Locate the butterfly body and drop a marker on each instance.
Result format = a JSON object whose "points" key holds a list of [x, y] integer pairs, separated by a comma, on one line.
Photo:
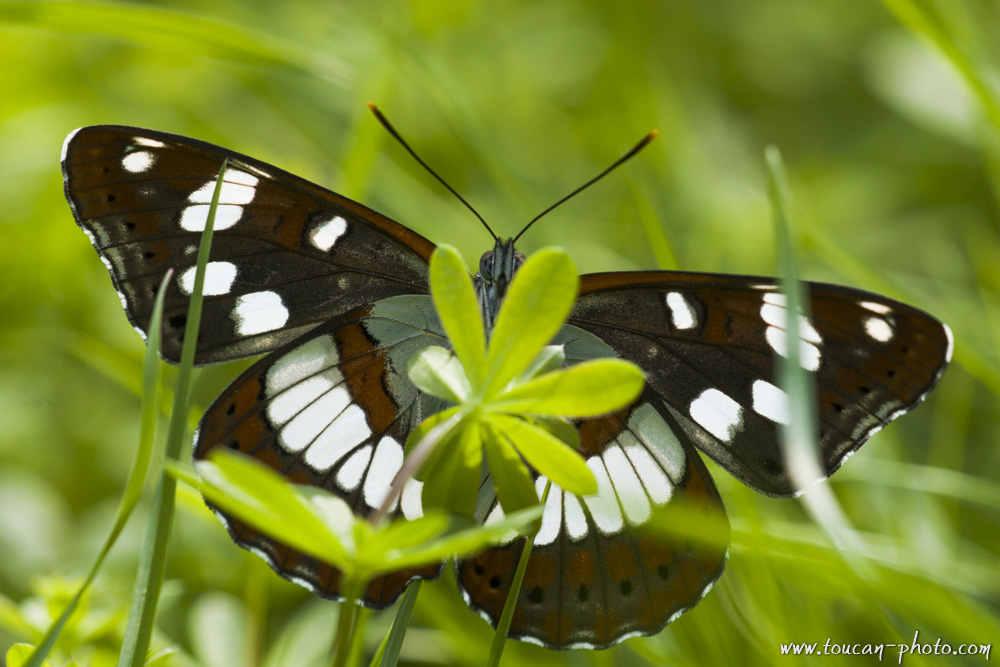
{"points": [[338, 295]]}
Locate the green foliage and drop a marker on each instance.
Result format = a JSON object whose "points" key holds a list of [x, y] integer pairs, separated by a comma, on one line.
{"points": [[322, 525], [500, 388]]}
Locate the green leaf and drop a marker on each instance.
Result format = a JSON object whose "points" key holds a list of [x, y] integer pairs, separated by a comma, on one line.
{"points": [[258, 496], [19, 654], [457, 306], [511, 479], [402, 534], [548, 455], [551, 358], [467, 541], [537, 303], [425, 427], [439, 372], [588, 389], [452, 472], [559, 427]]}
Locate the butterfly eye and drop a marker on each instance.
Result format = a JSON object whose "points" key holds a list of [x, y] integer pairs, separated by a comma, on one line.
{"points": [[486, 264], [518, 260]]}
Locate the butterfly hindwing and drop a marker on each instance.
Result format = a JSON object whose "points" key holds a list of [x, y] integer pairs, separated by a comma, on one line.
{"points": [[333, 410], [709, 342], [598, 572], [286, 254]]}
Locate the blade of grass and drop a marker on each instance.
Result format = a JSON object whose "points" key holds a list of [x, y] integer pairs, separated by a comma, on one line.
{"points": [[389, 652], [152, 558], [136, 478], [798, 437], [503, 625]]}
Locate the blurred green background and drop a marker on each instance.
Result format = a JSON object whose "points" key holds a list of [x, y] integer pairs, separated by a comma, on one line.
{"points": [[886, 114]]}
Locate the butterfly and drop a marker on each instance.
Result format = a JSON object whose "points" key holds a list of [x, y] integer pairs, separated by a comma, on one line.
{"points": [[336, 295]]}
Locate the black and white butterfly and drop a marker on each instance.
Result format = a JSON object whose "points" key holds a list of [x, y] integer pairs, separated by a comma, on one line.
{"points": [[338, 295]]}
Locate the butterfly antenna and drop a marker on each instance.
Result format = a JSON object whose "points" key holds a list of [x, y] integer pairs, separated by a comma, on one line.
{"points": [[624, 158], [391, 130]]}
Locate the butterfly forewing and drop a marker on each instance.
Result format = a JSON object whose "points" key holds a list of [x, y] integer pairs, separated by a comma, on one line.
{"points": [[333, 410], [287, 254], [598, 573], [709, 344]]}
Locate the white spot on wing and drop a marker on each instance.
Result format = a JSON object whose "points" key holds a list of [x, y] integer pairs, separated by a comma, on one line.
{"points": [[294, 400], [310, 412], [659, 439], [326, 233], [777, 299], [770, 402], [633, 499], [576, 521], [658, 486], [809, 354], [717, 413], [219, 277], [878, 329], [681, 312], [349, 475], [603, 505], [301, 362], [194, 218], [951, 345], [551, 515], [238, 187], [259, 312], [343, 434], [138, 162], [385, 464], [412, 506], [876, 307], [777, 316], [148, 143]]}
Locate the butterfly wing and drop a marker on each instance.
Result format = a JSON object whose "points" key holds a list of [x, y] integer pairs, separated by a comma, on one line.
{"points": [[708, 343], [286, 255], [333, 410]]}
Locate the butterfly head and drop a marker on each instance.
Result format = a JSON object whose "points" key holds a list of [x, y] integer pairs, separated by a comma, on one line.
{"points": [[496, 269]]}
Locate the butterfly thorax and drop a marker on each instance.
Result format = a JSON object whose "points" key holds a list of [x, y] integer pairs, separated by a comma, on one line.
{"points": [[496, 269]]}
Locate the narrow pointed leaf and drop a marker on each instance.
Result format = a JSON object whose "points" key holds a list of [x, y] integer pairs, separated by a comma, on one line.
{"points": [[439, 372], [588, 389], [511, 478], [548, 455], [458, 308], [537, 303]]}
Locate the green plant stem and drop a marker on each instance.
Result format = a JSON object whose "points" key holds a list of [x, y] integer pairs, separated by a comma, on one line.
{"points": [[345, 623], [503, 625]]}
